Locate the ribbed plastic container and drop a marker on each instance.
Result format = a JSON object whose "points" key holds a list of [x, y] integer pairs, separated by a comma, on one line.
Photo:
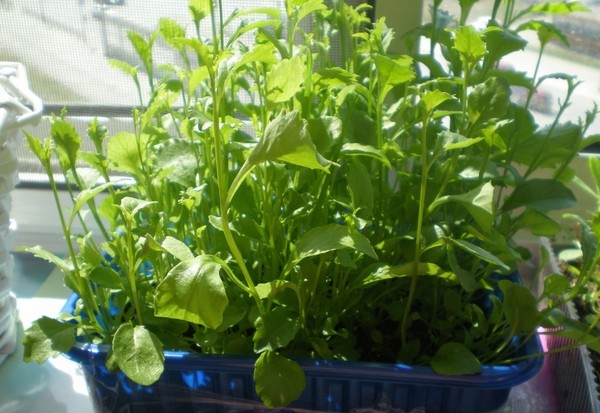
{"points": [[206, 383], [14, 114]]}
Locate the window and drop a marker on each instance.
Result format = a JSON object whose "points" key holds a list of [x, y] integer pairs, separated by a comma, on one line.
{"points": [[580, 57]]}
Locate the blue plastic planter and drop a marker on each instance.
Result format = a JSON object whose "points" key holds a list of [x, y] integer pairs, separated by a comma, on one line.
{"points": [[206, 383]]}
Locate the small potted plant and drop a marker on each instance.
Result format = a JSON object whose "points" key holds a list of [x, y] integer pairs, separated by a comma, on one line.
{"points": [[279, 208]]}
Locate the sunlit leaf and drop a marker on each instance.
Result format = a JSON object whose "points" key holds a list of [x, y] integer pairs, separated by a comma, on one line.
{"points": [[284, 79], [193, 291], [139, 353], [47, 338], [278, 380]]}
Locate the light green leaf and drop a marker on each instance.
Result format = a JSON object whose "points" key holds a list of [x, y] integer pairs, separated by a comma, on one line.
{"points": [[545, 31], [138, 353], [452, 140], [193, 291], [47, 338], [126, 153], [332, 237], [275, 329], [432, 99], [84, 196], [468, 44], [286, 139], [278, 380], [561, 7], [284, 79], [333, 77], [272, 288], [177, 249], [170, 30], [134, 205], [357, 149], [203, 51], [479, 202], [199, 9], [39, 252], [264, 52], [179, 160], [309, 7], [455, 359], [392, 72], [198, 75], [105, 277], [67, 140], [41, 149], [143, 48], [124, 67]]}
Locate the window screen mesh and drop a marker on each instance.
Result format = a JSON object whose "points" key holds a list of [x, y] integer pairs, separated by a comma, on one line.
{"points": [[66, 46]]}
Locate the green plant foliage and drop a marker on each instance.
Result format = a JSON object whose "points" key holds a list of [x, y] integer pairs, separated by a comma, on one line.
{"points": [[279, 201]]}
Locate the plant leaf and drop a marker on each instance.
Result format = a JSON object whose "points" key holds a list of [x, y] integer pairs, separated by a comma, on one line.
{"points": [[357, 149], [84, 196], [193, 291], [286, 139], [47, 338], [330, 238], [275, 329], [67, 140], [124, 67], [199, 10], [284, 79], [489, 100], [455, 359], [272, 288], [139, 353], [134, 205], [538, 223], [499, 43], [540, 194], [556, 285], [392, 72], [479, 202], [432, 99], [278, 380], [468, 44], [177, 249], [386, 272], [126, 153], [477, 251], [519, 307], [105, 277]]}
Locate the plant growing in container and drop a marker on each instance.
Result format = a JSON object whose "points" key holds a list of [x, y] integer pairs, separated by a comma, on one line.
{"points": [[285, 205]]}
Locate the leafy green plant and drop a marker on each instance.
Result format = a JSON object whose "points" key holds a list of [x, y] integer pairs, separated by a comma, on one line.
{"points": [[280, 202]]}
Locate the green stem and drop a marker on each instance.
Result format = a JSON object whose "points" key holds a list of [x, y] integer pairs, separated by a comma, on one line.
{"points": [[223, 194], [418, 242], [84, 287], [131, 275]]}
